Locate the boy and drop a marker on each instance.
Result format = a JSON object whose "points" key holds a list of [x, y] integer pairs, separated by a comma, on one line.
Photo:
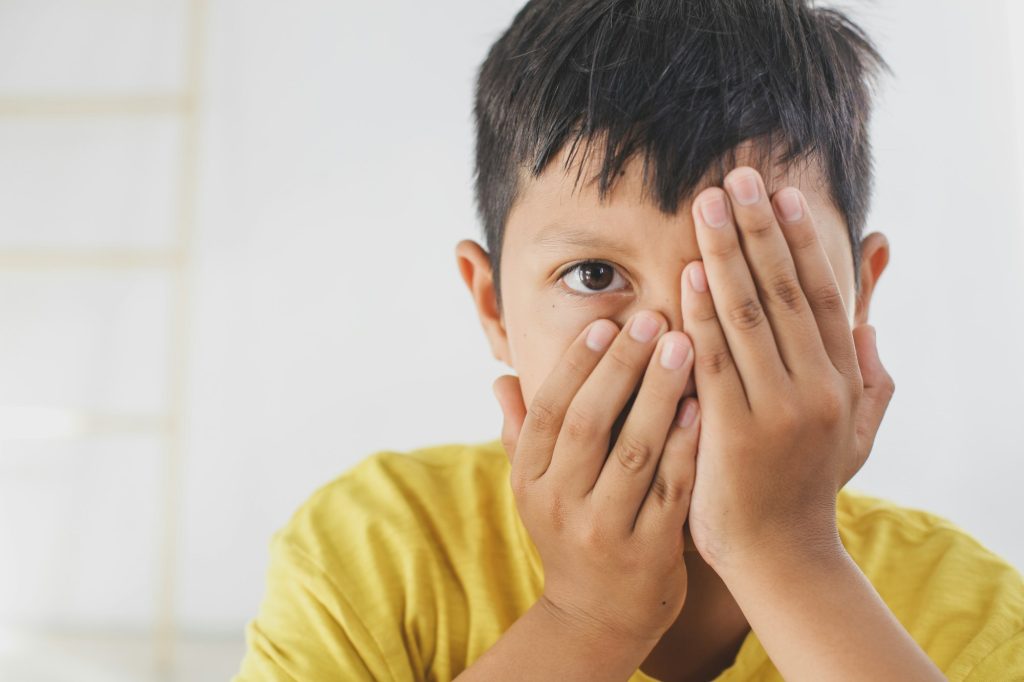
{"points": [[690, 337]]}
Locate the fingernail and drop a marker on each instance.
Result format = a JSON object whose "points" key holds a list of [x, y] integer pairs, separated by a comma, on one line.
{"points": [[644, 327], [790, 208], [745, 189], [599, 336], [674, 354], [697, 279], [689, 413], [713, 209]]}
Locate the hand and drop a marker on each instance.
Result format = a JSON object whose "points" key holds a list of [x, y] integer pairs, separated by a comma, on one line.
{"points": [[608, 526], [791, 398]]}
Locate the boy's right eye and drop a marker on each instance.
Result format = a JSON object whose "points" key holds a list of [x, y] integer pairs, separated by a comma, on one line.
{"points": [[593, 277]]}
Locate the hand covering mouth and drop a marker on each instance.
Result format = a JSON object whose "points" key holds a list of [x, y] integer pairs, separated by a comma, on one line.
{"points": [[621, 419]]}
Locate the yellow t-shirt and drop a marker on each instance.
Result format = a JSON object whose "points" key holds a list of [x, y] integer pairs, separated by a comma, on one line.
{"points": [[409, 565]]}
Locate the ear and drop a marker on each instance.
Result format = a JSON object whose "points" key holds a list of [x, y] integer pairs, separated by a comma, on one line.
{"points": [[475, 268], [874, 256]]}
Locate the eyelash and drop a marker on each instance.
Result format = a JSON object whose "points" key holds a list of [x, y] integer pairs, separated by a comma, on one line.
{"points": [[580, 264]]}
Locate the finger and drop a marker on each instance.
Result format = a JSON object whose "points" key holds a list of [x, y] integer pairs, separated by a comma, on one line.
{"points": [[767, 252], [878, 391], [583, 442], [818, 281], [626, 475], [740, 312], [510, 398], [717, 382], [547, 409], [667, 504]]}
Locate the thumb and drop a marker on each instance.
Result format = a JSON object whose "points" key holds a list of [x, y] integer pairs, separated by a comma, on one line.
{"points": [[878, 389], [510, 397]]}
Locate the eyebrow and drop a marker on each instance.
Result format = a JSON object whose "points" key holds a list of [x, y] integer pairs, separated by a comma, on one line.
{"points": [[554, 237]]}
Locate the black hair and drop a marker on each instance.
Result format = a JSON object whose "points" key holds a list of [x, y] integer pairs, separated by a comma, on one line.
{"points": [[683, 81]]}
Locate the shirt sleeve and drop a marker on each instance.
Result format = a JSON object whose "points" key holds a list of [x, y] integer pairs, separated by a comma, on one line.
{"points": [[1005, 662], [306, 629]]}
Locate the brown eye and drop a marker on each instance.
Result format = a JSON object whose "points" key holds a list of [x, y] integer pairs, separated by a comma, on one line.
{"points": [[592, 277], [596, 275]]}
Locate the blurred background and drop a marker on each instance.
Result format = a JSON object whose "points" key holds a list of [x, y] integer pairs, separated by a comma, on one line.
{"points": [[227, 274]]}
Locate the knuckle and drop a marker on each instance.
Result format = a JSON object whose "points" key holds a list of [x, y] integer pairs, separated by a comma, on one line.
{"points": [[668, 492], [828, 298], [632, 452], [857, 388], [620, 359], [747, 314], [715, 362], [706, 313], [759, 226], [545, 415], [802, 238], [576, 366], [579, 425], [593, 537], [519, 483], [830, 405], [786, 290], [658, 393], [723, 248]]}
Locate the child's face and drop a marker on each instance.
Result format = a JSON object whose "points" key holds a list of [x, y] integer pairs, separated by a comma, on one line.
{"points": [[641, 251]]}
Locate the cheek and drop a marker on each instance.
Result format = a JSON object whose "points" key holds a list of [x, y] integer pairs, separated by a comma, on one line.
{"points": [[539, 342], [842, 267]]}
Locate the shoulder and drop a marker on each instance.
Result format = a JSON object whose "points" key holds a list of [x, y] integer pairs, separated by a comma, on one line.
{"points": [[881, 532], [392, 496], [360, 573], [432, 470], [410, 549], [960, 600]]}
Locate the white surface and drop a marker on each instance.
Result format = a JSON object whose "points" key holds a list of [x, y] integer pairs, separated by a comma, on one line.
{"points": [[57, 47], [95, 182], [94, 340], [112, 656], [329, 320]]}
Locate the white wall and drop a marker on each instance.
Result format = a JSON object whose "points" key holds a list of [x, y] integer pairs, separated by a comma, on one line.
{"points": [[315, 314]]}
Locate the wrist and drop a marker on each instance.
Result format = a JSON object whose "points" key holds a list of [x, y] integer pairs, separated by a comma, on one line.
{"points": [[818, 616], [547, 643], [790, 555], [591, 637]]}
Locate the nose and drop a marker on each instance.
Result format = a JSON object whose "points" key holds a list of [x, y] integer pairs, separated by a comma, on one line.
{"points": [[666, 299], [673, 313]]}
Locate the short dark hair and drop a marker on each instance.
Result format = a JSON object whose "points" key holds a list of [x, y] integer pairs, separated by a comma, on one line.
{"points": [[683, 81]]}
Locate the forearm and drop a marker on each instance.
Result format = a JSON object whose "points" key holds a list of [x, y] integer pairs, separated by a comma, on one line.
{"points": [[821, 619], [541, 646]]}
